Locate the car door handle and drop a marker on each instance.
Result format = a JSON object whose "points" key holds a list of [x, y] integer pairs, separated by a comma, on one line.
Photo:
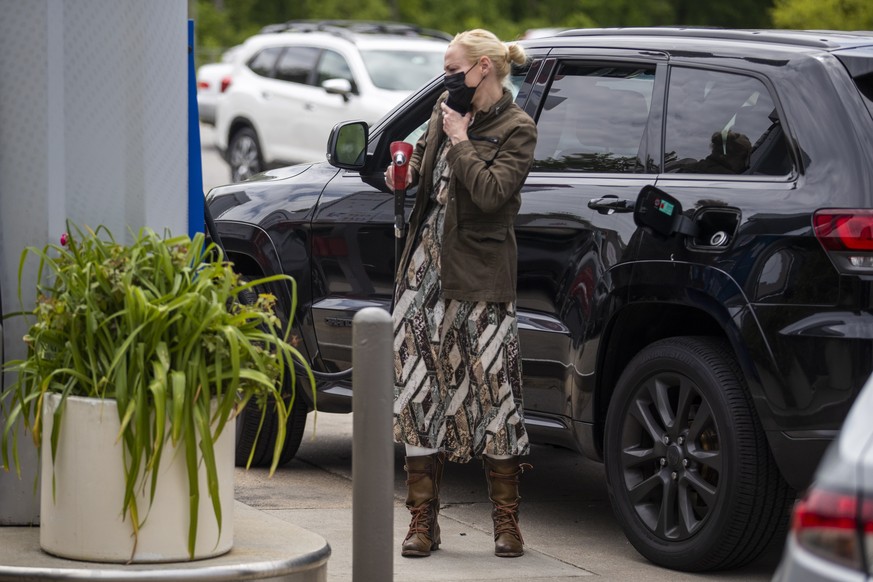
{"points": [[610, 204], [308, 106]]}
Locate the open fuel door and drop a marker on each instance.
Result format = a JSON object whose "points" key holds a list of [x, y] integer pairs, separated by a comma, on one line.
{"points": [[661, 214]]}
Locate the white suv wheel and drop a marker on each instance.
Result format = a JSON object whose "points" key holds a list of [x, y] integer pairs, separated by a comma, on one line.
{"points": [[244, 155]]}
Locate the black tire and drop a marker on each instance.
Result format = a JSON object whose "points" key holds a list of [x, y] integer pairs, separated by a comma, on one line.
{"points": [[689, 472], [247, 429], [244, 155], [247, 423]]}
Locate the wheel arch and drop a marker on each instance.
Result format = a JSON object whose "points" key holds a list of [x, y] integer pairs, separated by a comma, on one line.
{"points": [[239, 123], [253, 255], [642, 323]]}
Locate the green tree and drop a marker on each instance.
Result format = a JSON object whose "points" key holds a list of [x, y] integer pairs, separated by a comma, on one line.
{"points": [[220, 24], [223, 23], [824, 14], [736, 14]]}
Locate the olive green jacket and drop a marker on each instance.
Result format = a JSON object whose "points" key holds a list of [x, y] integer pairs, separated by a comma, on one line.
{"points": [[479, 252]]}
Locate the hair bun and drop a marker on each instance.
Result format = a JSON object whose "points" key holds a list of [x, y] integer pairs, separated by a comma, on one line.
{"points": [[515, 53]]}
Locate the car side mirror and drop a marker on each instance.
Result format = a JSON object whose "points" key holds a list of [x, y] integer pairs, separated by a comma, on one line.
{"points": [[347, 145], [661, 213], [338, 87]]}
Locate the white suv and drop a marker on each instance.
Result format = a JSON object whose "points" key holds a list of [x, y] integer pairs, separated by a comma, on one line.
{"points": [[289, 88]]}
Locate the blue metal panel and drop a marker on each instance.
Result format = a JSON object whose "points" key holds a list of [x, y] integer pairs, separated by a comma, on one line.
{"points": [[195, 163]]}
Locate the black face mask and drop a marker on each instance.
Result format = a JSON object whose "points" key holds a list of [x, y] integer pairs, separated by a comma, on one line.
{"points": [[460, 96]]}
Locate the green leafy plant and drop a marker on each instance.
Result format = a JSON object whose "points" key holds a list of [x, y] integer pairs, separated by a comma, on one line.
{"points": [[158, 326]]}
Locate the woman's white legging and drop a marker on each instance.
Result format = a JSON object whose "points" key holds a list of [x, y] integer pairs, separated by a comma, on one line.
{"points": [[414, 451]]}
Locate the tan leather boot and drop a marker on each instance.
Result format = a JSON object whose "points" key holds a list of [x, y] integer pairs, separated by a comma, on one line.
{"points": [[502, 478], [423, 476]]}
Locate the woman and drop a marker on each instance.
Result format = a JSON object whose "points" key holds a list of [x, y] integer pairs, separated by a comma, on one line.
{"points": [[457, 366]]}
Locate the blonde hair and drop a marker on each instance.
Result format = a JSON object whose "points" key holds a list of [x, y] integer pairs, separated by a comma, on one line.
{"points": [[479, 43]]}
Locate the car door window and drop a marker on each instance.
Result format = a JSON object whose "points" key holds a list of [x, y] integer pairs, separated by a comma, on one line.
{"points": [[262, 63], [593, 118], [296, 63], [722, 123], [333, 65]]}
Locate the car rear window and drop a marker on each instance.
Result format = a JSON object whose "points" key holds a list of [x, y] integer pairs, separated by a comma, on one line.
{"points": [[859, 63], [865, 86], [722, 123]]}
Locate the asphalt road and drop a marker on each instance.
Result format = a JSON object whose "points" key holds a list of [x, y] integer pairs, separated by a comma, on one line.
{"points": [[568, 525], [215, 170]]}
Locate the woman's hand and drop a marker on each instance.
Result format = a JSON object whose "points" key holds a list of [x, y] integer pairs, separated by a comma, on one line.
{"points": [[389, 177], [454, 124]]}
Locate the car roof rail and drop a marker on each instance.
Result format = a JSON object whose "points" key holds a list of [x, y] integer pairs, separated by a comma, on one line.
{"points": [[809, 38], [348, 28]]}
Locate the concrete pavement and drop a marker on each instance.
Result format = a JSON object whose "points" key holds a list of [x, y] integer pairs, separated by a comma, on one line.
{"points": [[569, 529]]}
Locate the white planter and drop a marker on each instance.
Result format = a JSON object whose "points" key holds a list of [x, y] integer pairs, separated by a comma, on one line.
{"points": [[84, 522]]}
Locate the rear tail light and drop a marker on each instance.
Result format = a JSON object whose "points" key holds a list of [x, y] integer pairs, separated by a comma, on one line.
{"points": [[847, 236], [203, 84], [828, 525], [225, 83], [867, 533]]}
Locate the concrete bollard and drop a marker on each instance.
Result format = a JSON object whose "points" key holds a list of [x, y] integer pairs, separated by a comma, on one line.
{"points": [[372, 446]]}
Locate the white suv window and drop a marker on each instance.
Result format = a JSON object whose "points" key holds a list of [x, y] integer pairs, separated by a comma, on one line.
{"points": [[418, 68], [296, 63], [334, 66], [262, 63]]}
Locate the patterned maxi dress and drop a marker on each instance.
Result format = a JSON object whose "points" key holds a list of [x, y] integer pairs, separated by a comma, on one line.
{"points": [[456, 363]]}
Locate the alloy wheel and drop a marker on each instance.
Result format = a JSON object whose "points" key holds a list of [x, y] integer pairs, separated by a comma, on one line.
{"points": [[245, 156], [671, 459]]}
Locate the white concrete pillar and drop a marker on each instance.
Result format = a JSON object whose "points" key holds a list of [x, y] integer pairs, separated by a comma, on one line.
{"points": [[93, 111]]}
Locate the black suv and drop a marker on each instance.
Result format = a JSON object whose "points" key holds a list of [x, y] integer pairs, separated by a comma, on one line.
{"points": [[694, 265]]}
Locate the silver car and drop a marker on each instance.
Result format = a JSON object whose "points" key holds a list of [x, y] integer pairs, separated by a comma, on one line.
{"points": [[831, 534]]}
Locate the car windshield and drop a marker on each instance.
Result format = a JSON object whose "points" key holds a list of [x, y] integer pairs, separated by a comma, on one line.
{"points": [[402, 70]]}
